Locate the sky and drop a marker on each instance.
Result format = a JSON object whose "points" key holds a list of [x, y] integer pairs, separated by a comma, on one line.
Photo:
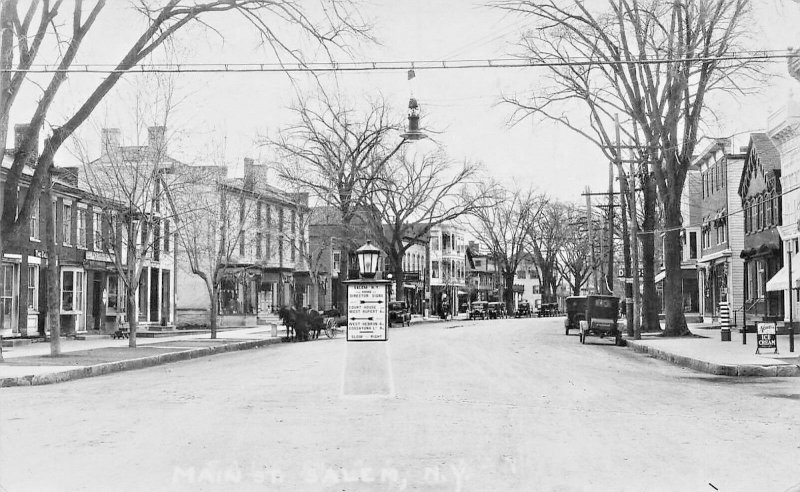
{"points": [[221, 117]]}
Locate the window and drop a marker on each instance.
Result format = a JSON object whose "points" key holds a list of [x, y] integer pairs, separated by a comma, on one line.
{"points": [[746, 206], [241, 242], [435, 269], [97, 231], [113, 295], [72, 291], [33, 287], [435, 243], [521, 274], [723, 231], [693, 245], [66, 224], [166, 236], [336, 261], [35, 221], [81, 229], [258, 244], [776, 210]]}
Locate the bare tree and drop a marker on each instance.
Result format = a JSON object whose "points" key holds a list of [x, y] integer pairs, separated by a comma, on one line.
{"points": [[214, 214], [503, 227], [415, 193], [575, 258], [545, 240], [27, 35], [338, 152], [653, 61]]}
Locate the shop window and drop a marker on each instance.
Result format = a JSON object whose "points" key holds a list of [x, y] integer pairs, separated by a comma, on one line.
{"points": [[33, 287], [72, 291], [113, 304], [35, 221]]}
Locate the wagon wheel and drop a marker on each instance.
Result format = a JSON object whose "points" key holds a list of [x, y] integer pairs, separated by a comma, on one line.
{"points": [[330, 328]]}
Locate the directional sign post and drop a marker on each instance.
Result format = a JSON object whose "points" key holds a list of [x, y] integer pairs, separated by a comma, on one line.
{"points": [[367, 313]]}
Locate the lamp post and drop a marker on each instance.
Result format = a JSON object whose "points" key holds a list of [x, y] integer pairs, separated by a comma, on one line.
{"points": [[367, 299]]}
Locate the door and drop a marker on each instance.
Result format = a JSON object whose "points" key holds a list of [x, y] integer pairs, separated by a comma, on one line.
{"points": [[97, 301], [166, 298], [154, 304], [9, 297]]}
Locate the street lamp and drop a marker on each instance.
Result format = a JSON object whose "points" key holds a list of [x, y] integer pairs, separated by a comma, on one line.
{"points": [[413, 132], [368, 260]]}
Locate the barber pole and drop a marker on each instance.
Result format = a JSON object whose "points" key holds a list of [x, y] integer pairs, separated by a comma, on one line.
{"points": [[725, 321]]}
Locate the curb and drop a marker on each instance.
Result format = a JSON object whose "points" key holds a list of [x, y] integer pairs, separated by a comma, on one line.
{"points": [[130, 364], [739, 370]]}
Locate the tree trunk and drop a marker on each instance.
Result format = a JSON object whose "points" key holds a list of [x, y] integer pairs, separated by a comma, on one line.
{"points": [[399, 279], [674, 319], [509, 293], [53, 297], [626, 253], [315, 294], [133, 316], [214, 311], [650, 307]]}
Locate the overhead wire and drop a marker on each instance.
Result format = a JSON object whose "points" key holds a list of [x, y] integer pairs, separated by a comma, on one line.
{"points": [[395, 65]]}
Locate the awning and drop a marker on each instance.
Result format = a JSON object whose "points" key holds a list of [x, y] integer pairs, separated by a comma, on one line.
{"points": [[661, 276], [780, 281], [302, 278]]}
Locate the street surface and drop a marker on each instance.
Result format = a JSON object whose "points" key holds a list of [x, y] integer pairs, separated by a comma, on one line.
{"points": [[486, 406]]}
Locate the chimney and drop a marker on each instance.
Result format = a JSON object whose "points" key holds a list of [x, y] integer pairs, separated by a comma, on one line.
{"points": [[249, 174], [20, 134], [156, 139], [109, 143]]}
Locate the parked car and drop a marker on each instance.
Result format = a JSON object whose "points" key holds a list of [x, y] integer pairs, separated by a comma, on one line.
{"points": [[399, 313], [496, 310], [602, 314], [478, 310], [576, 311], [523, 309]]}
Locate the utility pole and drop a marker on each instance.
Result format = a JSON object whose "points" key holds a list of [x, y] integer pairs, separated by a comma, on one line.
{"points": [[590, 232], [610, 268], [637, 303]]}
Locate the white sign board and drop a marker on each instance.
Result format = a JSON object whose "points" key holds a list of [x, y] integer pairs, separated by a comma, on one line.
{"points": [[766, 337], [367, 316]]}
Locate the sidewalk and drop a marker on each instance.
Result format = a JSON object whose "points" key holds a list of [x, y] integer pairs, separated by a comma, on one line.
{"points": [[31, 364], [706, 353]]}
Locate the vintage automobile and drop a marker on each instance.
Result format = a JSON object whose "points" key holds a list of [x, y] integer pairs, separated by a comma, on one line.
{"points": [[478, 310], [602, 313], [548, 309], [496, 310], [399, 313], [523, 309], [576, 311]]}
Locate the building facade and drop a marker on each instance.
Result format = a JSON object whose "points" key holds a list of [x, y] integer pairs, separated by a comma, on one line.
{"points": [[760, 193], [783, 129], [265, 264], [720, 266], [447, 267]]}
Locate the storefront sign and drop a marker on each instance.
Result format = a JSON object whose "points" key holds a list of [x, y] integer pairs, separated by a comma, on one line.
{"points": [[766, 337], [367, 316]]}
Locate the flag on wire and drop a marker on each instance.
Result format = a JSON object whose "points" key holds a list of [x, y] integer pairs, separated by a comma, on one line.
{"points": [[411, 74]]}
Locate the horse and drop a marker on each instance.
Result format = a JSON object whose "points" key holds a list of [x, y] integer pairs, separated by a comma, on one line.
{"points": [[289, 318]]}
